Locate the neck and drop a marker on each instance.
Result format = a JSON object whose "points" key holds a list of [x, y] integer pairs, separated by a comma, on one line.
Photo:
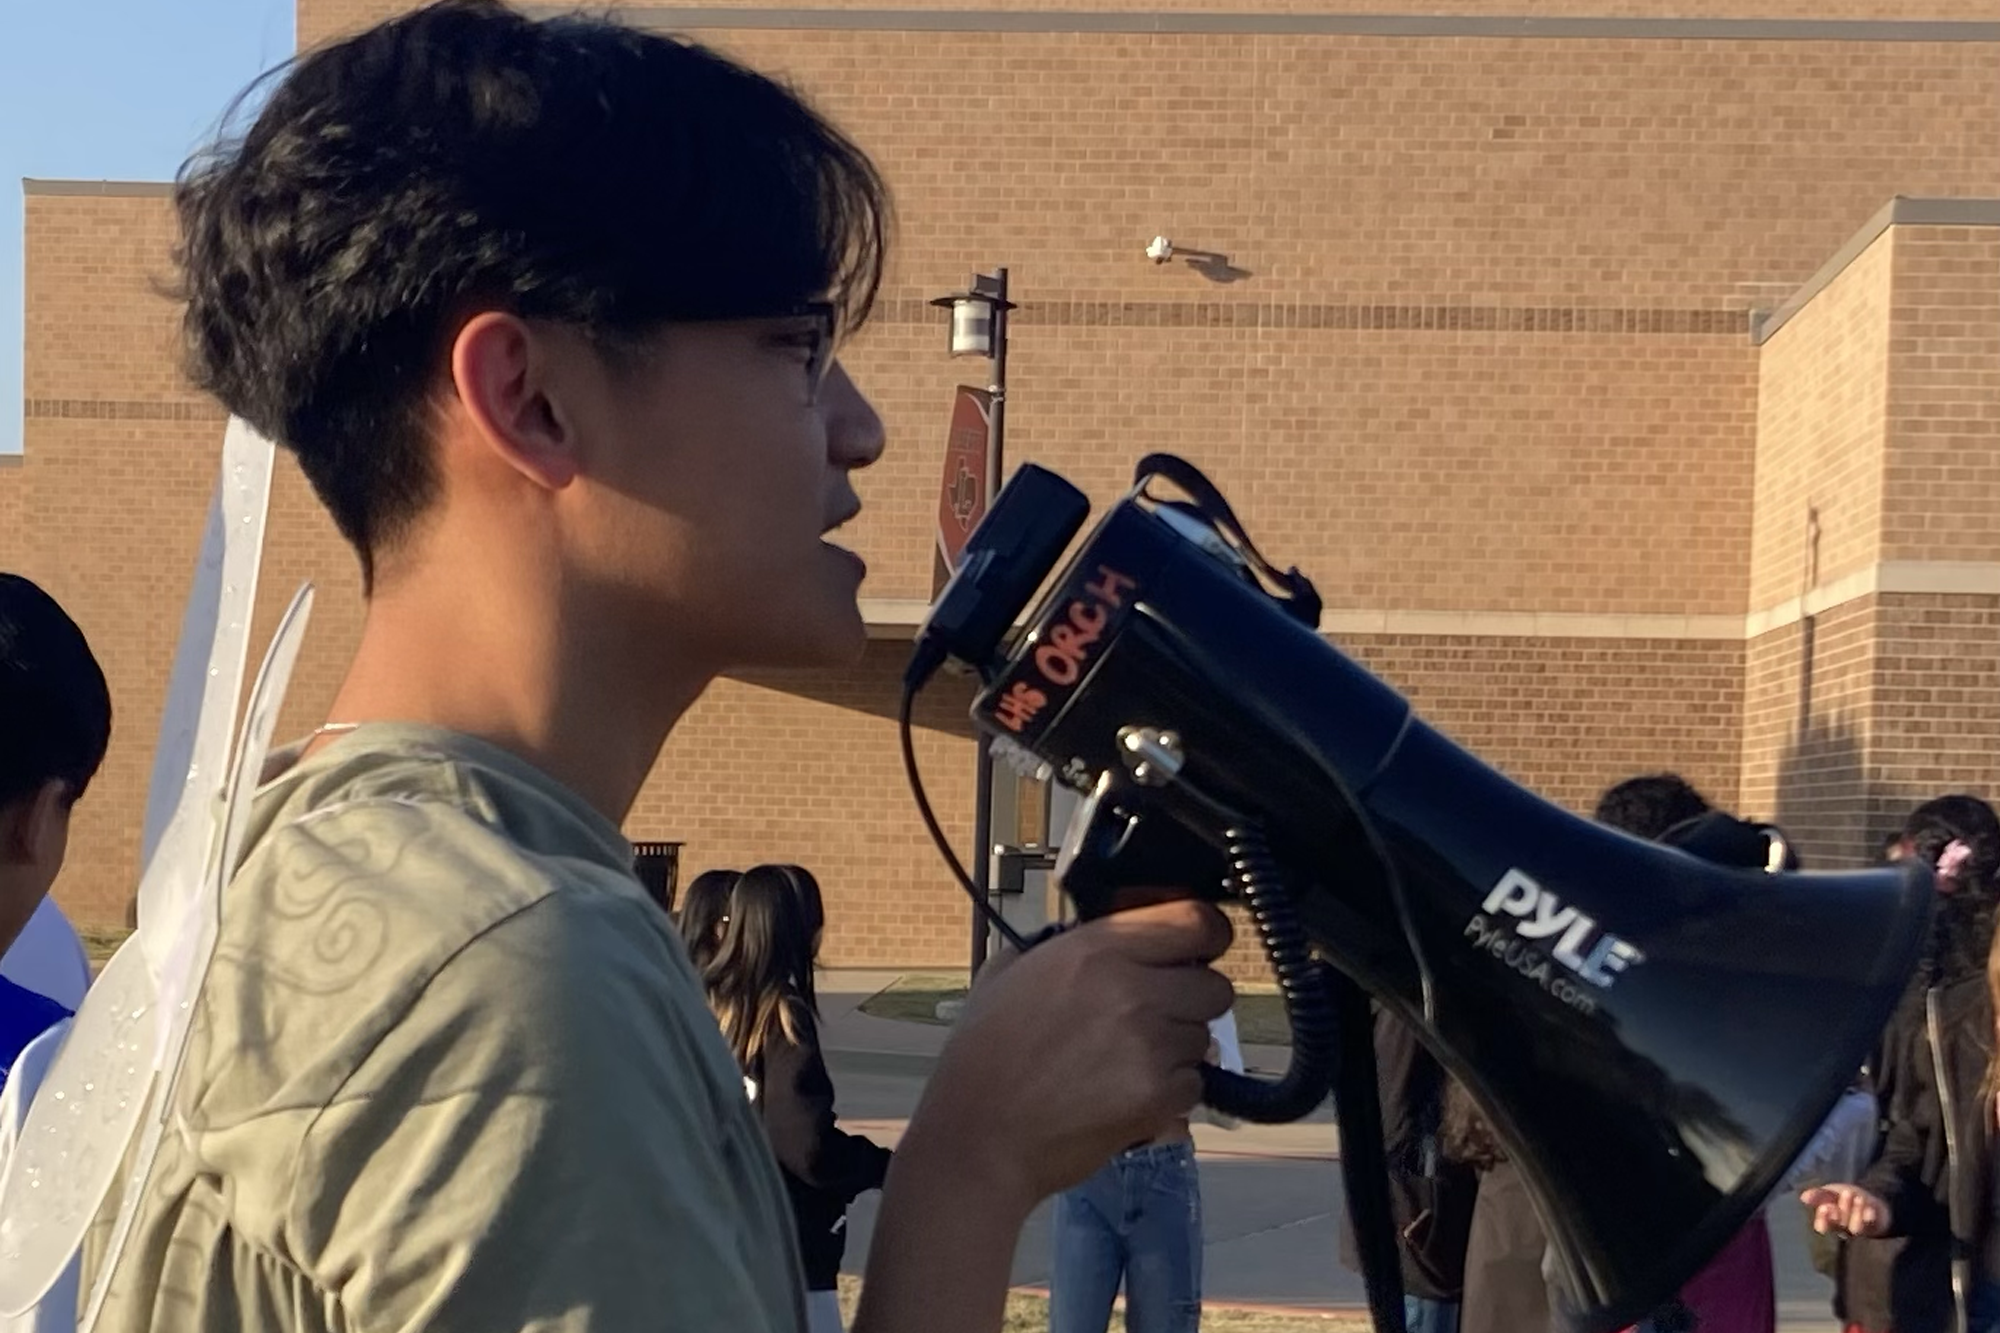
{"points": [[572, 688]]}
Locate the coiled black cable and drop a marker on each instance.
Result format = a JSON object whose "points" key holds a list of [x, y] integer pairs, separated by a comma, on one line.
{"points": [[1254, 875]]}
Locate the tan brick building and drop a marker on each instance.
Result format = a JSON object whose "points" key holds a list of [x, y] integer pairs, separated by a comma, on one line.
{"points": [[1630, 385]]}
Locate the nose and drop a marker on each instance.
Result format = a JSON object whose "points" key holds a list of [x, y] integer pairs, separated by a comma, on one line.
{"points": [[855, 437]]}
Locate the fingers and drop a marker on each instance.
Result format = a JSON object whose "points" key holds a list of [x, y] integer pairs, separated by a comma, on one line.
{"points": [[1826, 1218], [1184, 1090], [1169, 933], [1846, 1208], [1196, 995]]}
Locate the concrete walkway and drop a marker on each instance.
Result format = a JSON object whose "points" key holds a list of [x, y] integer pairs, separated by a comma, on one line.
{"points": [[1271, 1194]]}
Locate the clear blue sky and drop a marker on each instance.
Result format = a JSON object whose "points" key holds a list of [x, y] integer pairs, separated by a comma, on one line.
{"points": [[111, 90]]}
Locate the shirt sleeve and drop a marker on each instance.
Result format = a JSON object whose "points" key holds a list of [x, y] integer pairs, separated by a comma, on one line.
{"points": [[798, 1116], [546, 1141], [1915, 1120]]}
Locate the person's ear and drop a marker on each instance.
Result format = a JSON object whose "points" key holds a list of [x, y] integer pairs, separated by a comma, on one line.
{"points": [[34, 830], [509, 377]]}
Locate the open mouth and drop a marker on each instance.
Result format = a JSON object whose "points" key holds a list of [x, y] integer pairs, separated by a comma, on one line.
{"points": [[826, 535]]}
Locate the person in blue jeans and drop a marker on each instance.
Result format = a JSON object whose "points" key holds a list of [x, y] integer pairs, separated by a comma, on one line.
{"points": [[1137, 1222]]}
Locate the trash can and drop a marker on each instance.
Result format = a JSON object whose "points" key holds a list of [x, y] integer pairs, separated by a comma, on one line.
{"points": [[658, 866]]}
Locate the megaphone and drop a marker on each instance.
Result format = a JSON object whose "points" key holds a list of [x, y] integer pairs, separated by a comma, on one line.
{"points": [[1654, 1036]]}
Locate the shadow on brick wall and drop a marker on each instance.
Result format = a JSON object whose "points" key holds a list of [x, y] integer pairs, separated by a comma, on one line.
{"points": [[1824, 801]]}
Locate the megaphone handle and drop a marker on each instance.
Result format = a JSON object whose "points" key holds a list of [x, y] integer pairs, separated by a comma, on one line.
{"points": [[1121, 848]]}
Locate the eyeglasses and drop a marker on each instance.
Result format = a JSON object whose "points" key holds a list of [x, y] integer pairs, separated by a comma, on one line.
{"points": [[820, 341], [819, 358]]}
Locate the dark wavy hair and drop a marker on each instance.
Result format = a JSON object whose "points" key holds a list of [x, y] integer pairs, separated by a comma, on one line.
{"points": [[1962, 929], [1648, 806], [466, 157]]}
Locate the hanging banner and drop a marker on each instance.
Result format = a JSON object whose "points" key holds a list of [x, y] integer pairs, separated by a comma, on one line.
{"points": [[966, 481]]}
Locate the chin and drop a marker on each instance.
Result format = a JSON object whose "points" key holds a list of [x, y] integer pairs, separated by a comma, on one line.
{"points": [[821, 637]]}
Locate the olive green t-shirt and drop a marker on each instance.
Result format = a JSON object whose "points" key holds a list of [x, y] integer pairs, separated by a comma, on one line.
{"points": [[451, 1070]]}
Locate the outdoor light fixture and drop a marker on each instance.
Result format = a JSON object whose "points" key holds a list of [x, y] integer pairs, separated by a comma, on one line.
{"points": [[976, 314], [1212, 262]]}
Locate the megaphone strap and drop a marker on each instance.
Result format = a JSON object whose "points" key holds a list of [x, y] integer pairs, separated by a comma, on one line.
{"points": [[1298, 588]]}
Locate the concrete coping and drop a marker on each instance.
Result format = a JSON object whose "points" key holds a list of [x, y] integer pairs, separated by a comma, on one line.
{"points": [[1901, 211], [823, 16], [112, 189]]}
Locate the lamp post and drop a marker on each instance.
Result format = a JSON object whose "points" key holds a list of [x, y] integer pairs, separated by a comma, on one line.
{"points": [[979, 328]]}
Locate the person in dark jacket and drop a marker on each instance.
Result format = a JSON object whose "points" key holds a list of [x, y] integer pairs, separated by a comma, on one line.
{"points": [[1430, 1198], [1866, 1270], [1504, 1290], [759, 984], [1931, 1186]]}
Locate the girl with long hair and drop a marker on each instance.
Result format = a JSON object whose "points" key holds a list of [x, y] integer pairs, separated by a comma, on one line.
{"points": [[704, 912], [760, 986]]}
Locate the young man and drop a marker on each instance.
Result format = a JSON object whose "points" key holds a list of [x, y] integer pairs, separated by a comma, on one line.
{"points": [[55, 724], [548, 312]]}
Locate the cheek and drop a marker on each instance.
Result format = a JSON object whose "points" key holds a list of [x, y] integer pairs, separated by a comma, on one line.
{"points": [[53, 846]]}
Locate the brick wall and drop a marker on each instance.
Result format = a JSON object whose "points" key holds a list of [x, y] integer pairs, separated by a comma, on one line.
{"points": [[1569, 717], [1942, 481], [99, 325], [1809, 707], [1855, 716], [1878, 414], [1937, 700], [1823, 385], [319, 20], [13, 512]]}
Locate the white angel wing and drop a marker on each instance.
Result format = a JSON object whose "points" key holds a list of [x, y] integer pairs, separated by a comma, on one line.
{"points": [[194, 945], [184, 805], [81, 1122]]}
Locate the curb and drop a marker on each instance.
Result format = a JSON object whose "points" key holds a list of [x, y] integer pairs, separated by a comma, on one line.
{"points": [[864, 1061], [878, 1127], [1041, 1291]]}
